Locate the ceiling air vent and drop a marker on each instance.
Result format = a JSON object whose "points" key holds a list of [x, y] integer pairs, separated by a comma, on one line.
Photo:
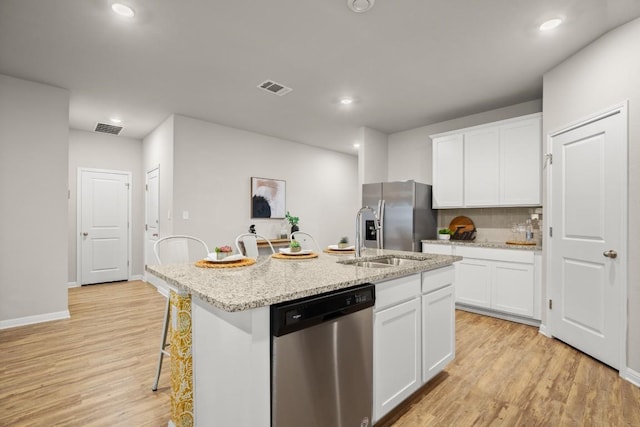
{"points": [[273, 87], [110, 129]]}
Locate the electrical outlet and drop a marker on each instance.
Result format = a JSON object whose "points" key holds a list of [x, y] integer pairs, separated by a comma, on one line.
{"points": [[185, 214]]}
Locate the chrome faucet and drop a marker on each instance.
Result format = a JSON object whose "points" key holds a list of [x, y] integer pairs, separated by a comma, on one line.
{"points": [[378, 227]]}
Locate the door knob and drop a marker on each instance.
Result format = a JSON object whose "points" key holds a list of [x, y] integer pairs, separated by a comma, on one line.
{"points": [[85, 234], [610, 254]]}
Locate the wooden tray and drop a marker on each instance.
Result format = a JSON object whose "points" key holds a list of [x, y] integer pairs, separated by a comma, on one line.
{"points": [[240, 263], [294, 257], [515, 242]]}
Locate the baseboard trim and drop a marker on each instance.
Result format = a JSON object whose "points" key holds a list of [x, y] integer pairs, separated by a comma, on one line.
{"points": [[137, 277], [630, 375], [499, 315], [73, 285], [543, 330], [30, 320]]}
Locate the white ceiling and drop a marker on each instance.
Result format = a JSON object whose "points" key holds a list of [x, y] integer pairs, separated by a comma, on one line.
{"points": [[408, 63]]}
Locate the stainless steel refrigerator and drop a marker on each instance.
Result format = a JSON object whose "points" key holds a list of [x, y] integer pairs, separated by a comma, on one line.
{"points": [[405, 209]]}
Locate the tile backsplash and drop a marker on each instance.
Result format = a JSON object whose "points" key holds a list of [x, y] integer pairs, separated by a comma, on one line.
{"points": [[494, 224]]}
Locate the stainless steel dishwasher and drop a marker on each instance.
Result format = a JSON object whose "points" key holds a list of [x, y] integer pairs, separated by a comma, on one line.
{"points": [[322, 360]]}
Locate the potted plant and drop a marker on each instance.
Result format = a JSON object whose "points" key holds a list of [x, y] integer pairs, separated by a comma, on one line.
{"points": [[294, 246], [223, 251], [344, 242], [293, 220], [444, 234]]}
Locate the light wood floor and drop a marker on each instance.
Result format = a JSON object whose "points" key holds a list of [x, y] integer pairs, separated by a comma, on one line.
{"points": [[96, 369], [507, 374]]}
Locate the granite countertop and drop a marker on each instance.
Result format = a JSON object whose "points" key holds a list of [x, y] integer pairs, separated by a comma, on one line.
{"points": [[271, 280], [477, 244]]}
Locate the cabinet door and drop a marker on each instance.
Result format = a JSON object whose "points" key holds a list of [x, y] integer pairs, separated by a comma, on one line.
{"points": [[513, 288], [482, 167], [448, 171], [520, 163], [473, 282], [396, 355], [438, 331]]}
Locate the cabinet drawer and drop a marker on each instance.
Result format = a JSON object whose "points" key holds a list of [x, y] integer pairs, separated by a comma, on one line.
{"points": [[396, 291], [505, 255], [440, 249], [436, 279]]}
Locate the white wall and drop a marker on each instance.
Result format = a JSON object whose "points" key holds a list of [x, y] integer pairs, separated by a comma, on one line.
{"points": [[372, 156], [410, 151], [34, 134], [599, 76], [212, 168], [103, 151]]}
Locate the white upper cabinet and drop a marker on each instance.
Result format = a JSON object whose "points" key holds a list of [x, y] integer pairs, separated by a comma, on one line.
{"points": [[448, 171], [497, 164], [520, 163], [482, 167]]}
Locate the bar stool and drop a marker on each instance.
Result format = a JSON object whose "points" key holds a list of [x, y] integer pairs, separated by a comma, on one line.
{"points": [[306, 240], [174, 249], [247, 244]]}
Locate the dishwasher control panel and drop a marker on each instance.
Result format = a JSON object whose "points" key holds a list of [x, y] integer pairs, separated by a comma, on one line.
{"points": [[291, 316]]}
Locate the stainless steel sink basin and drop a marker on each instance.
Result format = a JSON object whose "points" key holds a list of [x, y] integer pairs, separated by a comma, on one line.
{"points": [[383, 261], [368, 264]]}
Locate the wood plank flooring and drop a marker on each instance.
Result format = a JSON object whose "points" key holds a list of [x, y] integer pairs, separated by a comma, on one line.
{"points": [[507, 374], [96, 369]]}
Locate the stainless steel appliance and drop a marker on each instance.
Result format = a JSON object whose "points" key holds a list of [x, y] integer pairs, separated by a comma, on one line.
{"points": [[322, 360], [404, 208]]}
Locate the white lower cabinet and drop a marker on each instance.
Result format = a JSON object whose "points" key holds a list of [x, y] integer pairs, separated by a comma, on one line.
{"points": [[513, 290], [396, 344], [473, 284], [438, 322], [499, 280], [413, 335]]}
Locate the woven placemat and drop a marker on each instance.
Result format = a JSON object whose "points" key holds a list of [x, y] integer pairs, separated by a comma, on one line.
{"points": [[513, 242], [338, 252], [294, 257], [240, 263]]}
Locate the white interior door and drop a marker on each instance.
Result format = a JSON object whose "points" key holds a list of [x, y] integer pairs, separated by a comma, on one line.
{"points": [[103, 223], [587, 282], [152, 213]]}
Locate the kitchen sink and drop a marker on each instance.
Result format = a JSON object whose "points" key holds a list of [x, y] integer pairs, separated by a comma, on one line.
{"points": [[368, 264], [383, 261]]}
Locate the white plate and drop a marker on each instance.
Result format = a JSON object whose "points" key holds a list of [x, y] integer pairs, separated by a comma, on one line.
{"points": [[338, 248], [287, 251], [230, 258]]}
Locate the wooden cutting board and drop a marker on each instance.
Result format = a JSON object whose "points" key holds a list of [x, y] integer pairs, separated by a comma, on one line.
{"points": [[462, 223]]}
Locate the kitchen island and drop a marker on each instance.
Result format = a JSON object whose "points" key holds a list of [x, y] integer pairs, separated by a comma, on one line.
{"points": [[221, 318]]}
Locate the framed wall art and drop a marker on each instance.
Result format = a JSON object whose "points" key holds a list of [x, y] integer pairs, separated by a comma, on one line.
{"points": [[268, 197]]}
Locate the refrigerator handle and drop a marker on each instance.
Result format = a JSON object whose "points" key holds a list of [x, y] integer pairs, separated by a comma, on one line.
{"points": [[380, 230]]}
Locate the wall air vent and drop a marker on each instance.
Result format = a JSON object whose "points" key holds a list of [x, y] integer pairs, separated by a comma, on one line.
{"points": [[110, 129], [273, 87]]}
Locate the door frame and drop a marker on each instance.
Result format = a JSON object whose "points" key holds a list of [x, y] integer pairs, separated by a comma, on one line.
{"points": [[149, 277], [79, 218], [618, 108]]}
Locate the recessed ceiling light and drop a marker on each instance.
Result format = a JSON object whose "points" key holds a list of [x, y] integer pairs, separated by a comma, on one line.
{"points": [[360, 6], [550, 24], [356, 145], [122, 10], [115, 120], [346, 100]]}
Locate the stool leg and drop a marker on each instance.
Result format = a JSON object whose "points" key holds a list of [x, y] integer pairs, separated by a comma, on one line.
{"points": [[163, 344]]}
